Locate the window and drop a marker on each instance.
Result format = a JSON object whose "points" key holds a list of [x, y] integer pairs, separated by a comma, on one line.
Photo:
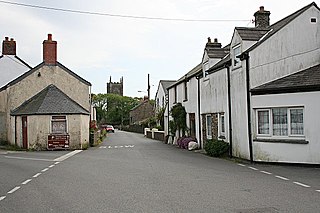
{"points": [[175, 94], [58, 125], [280, 122], [185, 90], [209, 126], [162, 102], [222, 130], [236, 52]]}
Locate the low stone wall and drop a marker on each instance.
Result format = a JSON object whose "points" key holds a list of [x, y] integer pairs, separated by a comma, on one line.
{"points": [[154, 134]]}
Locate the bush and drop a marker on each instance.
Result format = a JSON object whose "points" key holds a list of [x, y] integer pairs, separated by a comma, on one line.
{"points": [[216, 148], [184, 141]]}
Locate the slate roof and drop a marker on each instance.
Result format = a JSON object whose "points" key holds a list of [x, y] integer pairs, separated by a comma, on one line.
{"points": [[302, 81], [18, 79], [50, 100], [189, 75], [165, 84], [272, 29], [251, 34]]}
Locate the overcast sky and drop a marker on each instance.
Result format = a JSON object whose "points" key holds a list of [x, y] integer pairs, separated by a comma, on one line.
{"points": [[97, 47]]}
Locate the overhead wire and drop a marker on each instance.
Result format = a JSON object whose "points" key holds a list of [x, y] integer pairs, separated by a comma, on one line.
{"points": [[120, 15]]}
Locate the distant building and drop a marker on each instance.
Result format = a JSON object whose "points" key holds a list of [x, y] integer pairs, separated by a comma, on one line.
{"points": [[115, 87]]}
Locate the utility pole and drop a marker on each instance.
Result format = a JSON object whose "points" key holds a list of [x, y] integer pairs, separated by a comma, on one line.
{"points": [[148, 87]]}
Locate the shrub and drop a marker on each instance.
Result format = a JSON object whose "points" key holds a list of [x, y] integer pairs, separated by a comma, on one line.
{"points": [[184, 141], [216, 148]]}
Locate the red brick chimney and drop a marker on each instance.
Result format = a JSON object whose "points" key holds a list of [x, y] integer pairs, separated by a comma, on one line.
{"points": [[8, 47], [49, 51]]}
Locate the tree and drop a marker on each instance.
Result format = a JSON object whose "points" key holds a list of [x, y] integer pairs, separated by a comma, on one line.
{"points": [[113, 109], [178, 113]]}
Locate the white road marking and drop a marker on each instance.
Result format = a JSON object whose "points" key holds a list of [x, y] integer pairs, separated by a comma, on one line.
{"points": [[250, 167], [109, 147], [282, 178], [66, 156], [115, 146], [239, 164], [121, 146], [103, 147], [22, 158], [301, 184], [2, 198], [36, 175], [27, 181], [265, 172], [317, 190], [14, 189], [44, 170], [51, 166], [56, 163], [129, 146]]}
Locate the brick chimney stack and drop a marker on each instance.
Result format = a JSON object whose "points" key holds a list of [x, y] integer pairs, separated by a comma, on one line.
{"points": [[49, 51], [262, 18], [8, 46]]}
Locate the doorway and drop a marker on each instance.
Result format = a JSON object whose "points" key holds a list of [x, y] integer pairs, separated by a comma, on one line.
{"points": [[24, 132]]}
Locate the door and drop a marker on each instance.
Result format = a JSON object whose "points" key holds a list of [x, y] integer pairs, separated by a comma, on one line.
{"points": [[24, 132], [192, 125]]}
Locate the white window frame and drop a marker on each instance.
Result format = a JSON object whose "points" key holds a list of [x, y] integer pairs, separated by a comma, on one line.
{"points": [[290, 135], [235, 59], [220, 118], [207, 129], [60, 119]]}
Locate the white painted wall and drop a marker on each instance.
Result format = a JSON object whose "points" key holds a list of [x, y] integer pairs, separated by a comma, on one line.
{"points": [[161, 96], [291, 153], [10, 69], [293, 48]]}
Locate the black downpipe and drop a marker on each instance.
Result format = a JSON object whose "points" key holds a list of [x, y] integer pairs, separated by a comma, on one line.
{"points": [[15, 131], [199, 115], [229, 109], [246, 57], [168, 115]]}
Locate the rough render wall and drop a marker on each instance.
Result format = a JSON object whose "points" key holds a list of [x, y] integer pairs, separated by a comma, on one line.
{"points": [[33, 84], [214, 126], [39, 127]]}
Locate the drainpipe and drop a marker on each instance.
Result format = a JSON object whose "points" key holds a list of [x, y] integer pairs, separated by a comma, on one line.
{"points": [[168, 114], [199, 115], [246, 57], [227, 66]]}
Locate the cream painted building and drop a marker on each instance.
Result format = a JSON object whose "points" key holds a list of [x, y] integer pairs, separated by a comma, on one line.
{"points": [[48, 106]]}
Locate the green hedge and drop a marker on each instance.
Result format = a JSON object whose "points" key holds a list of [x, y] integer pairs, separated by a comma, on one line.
{"points": [[216, 148]]}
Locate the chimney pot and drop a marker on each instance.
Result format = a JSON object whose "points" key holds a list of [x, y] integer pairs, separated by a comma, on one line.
{"points": [[8, 47], [209, 40], [50, 51], [262, 18], [215, 40]]}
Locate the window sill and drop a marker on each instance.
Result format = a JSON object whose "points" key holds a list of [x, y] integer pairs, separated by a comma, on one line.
{"points": [[185, 100], [290, 141], [222, 137], [236, 67]]}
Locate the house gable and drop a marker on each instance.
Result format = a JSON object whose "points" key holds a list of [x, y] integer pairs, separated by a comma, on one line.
{"points": [[50, 100]]}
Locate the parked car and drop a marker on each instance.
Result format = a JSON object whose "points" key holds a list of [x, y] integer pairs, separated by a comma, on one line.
{"points": [[109, 128]]}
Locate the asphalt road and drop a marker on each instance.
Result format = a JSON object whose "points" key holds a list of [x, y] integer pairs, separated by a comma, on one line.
{"points": [[129, 173]]}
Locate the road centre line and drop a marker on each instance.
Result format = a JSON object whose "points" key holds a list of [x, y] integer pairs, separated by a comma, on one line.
{"points": [[44, 170], [27, 181], [37, 175], [56, 163], [51, 166], [301, 184], [318, 190], [241, 165], [14, 189], [22, 158], [282, 178], [265, 172], [2, 198], [250, 167]]}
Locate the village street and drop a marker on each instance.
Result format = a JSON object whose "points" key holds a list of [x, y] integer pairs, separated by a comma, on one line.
{"points": [[129, 173]]}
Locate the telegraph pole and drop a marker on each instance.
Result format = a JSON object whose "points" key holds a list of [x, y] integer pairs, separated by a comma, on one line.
{"points": [[148, 87]]}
